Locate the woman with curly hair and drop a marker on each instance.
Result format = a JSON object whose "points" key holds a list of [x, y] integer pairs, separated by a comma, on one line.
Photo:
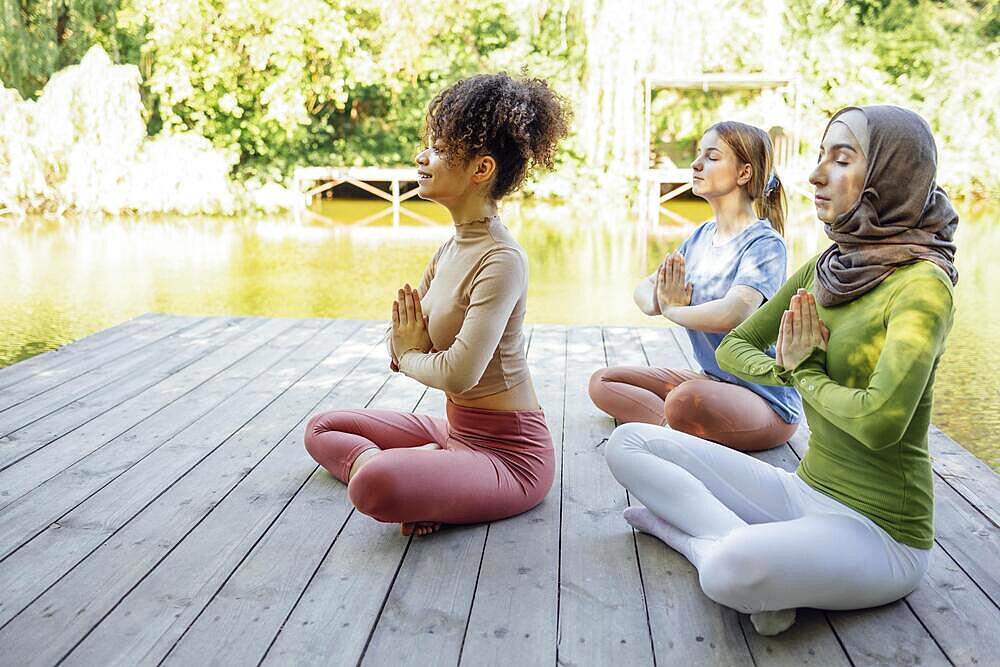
{"points": [[460, 331]]}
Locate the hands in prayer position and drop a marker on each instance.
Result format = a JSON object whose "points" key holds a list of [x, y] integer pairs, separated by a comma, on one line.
{"points": [[671, 290], [800, 332], [409, 326]]}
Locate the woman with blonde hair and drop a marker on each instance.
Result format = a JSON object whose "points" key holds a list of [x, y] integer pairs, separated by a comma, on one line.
{"points": [[860, 330], [715, 280]]}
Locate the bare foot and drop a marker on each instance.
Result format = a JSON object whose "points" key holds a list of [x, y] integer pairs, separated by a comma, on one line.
{"points": [[643, 520], [418, 528], [771, 623], [695, 549]]}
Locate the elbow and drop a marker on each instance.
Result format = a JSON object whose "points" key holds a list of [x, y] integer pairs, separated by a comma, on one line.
{"points": [[459, 383], [718, 322], [725, 324], [723, 354], [644, 304], [881, 435], [878, 424], [734, 317], [646, 310]]}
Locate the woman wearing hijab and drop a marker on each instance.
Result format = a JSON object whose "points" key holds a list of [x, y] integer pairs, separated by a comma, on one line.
{"points": [[859, 331]]}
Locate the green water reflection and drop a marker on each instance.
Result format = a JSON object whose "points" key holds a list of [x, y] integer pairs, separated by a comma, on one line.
{"points": [[65, 280]]}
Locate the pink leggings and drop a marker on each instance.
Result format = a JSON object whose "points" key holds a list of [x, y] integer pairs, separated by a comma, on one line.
{"points": [[491, 465], [690, 402]]}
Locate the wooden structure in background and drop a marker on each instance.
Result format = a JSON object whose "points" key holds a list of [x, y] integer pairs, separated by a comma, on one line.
{"points": [[651, 179], [363, 178]]}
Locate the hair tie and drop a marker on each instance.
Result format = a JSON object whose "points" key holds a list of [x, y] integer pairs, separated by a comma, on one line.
{"points": [[771, 185]]}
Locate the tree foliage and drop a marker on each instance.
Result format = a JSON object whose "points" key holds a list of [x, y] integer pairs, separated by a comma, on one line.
{"points": [[937, 57], [278, 83]]}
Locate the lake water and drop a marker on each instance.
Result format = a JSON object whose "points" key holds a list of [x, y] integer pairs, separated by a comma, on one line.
{"points": [[62, 280]]}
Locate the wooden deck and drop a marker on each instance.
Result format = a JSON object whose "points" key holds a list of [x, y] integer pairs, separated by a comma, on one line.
{"points": [[157, 505]]}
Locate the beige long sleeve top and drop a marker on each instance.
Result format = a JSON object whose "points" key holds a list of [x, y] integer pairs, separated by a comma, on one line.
{"points": [[474, 292]]}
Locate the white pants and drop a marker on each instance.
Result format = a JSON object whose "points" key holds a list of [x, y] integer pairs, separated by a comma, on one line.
{"points": [[760, 537]]}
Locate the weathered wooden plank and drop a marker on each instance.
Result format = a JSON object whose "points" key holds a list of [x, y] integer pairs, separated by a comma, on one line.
{"points": [[968, 537], [425, 615], [256, 562], [263, 590], [139, 629], [684, 343], [433, 403], [810, 641], [179, 351], [514, 611], [268, 452], [139, 464], [961, 618], [686, 626], [622, 347], [334, 619], [131, 429], [661, 348], [602, 616], [47, 378], [426, 612], [108, 374], [969, 476], [884, 636], [938, 604], [34, 567], [92, 348]]}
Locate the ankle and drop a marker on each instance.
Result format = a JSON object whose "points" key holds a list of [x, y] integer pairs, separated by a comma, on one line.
{"points": [[770, 623], [362, 458]]}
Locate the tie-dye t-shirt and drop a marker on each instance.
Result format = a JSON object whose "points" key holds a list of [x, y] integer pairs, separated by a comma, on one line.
{"points": [[755, 257]]}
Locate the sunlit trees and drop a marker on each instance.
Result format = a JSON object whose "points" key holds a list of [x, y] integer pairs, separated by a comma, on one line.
{"points": [[272, 84]]}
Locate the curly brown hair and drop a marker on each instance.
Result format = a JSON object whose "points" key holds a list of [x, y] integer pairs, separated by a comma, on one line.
{"points": [[517, 122]]}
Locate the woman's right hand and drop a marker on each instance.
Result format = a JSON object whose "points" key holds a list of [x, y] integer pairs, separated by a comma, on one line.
{"points": [[800, 332], [409, 325], [671, 290]]}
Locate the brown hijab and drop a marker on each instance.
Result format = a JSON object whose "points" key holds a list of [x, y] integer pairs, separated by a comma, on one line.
{"points": [[902, 215]]}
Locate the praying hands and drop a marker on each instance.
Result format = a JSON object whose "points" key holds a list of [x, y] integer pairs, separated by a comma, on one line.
{"points": [[671, 288], [409, 326], [800, 332]]}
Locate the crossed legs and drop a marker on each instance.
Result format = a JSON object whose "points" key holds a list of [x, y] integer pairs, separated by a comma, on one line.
{"points": [[759, 540], [690, 402]]}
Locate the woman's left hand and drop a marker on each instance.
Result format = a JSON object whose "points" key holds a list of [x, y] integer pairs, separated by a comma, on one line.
{"points": [[801, 331], [409, 325], [671, 288]]}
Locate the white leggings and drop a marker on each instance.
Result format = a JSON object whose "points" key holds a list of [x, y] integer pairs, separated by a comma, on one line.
{"points": [[760, 537]]}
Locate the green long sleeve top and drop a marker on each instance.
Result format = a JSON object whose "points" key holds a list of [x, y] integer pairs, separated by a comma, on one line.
{"points": [[868, 397]]}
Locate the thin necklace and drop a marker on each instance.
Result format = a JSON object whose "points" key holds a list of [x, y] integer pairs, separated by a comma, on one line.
{"points": [[488, 218]]}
